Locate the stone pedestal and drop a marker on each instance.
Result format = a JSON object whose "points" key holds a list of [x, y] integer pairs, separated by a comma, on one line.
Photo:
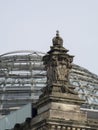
{"points": [[63, 108]]}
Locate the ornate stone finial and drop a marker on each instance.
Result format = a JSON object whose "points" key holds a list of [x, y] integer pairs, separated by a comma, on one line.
{"points": [[57, 41], [58, 64]]}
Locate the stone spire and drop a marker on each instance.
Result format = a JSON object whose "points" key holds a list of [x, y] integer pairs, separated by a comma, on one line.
{"points": [[58, 64]]}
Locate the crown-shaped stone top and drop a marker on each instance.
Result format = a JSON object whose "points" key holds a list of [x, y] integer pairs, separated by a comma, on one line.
{"points": [[57, 41]]}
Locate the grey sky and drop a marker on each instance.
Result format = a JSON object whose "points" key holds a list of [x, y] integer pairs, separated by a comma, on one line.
{"points": [[31, 24]]}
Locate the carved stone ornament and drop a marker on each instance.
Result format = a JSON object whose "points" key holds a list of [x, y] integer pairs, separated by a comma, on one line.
{"points": [[58, 64]]}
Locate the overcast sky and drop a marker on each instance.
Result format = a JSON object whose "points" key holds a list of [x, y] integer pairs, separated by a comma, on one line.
{"points": [[31, 25]]}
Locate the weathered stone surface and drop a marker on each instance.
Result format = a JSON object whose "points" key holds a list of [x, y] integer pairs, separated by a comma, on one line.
{"points": [[62, 111]]}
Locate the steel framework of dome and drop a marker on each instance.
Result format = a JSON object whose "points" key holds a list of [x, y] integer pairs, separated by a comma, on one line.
{"points": [[22, 76]]}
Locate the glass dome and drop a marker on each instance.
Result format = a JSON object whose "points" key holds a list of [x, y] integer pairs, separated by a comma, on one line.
{"points": [[22, 75]]}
